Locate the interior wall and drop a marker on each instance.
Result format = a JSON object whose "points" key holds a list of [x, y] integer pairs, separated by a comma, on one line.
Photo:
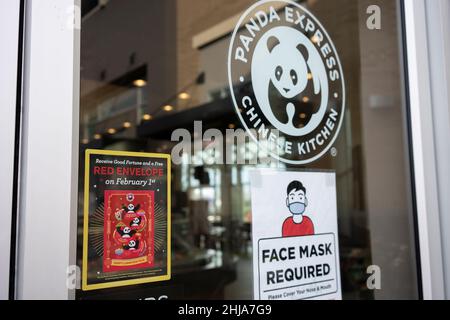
{"points": [[194, 17], [384, 142], [107, 46]]}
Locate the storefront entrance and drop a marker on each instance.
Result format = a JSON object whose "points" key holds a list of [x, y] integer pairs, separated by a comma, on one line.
{"points": [[228, 150]]}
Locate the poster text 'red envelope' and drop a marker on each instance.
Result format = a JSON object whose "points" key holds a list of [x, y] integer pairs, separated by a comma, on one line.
{"points": [[127, 171]]}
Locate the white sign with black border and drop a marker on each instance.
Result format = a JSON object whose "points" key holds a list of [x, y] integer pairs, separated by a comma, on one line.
{"points": [[295, 238]]}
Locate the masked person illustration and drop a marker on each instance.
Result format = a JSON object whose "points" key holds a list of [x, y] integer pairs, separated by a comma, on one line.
{"points": [[298, 224]]}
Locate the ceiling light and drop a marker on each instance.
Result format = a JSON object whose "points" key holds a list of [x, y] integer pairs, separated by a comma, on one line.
{"points": [[97, 136], [127, 125], [112, 131], [184, 96], [147, 117], [168, 108], [139, 83]]}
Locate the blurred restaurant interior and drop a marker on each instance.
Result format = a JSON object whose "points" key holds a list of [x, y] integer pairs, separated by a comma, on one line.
{"points": [[149, 67]]}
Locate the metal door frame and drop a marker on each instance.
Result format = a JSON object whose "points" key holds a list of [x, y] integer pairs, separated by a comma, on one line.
{"points": [[48, 190], [11, 35], [49, 161]]}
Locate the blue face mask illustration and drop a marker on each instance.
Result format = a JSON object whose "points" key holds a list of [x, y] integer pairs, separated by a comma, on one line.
{"points": [[297, 208]]}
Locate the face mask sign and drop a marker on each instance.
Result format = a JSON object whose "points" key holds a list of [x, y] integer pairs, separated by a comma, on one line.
{"points": [[297, 208], [294, 215], [296, 200]]}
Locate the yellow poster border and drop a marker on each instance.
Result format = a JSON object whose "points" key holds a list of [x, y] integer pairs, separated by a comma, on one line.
{"points": [[88, 287]]}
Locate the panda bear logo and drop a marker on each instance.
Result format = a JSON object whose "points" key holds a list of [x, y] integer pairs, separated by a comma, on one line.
{"points": [[286, 63], [286, 81], [131, 208], [132, 245], [125, 232], [135, 222]]}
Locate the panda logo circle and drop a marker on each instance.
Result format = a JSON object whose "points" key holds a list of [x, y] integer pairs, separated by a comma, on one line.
{"points": [[283, 61], [286, 80]]}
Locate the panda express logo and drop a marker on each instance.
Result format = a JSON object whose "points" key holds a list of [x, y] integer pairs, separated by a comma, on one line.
{"points": [[286, 80]]}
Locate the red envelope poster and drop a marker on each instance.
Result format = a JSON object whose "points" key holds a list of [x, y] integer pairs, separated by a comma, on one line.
{"points": [[128, 230]]}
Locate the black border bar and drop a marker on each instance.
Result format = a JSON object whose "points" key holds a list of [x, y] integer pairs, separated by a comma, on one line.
{"points": [[17, 146]]}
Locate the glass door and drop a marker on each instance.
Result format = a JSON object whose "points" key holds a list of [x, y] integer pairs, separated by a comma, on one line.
{"points": [[156, 73]]}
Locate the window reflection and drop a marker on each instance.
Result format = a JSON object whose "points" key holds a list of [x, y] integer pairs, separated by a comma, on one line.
{"points": [[150, 67]]}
